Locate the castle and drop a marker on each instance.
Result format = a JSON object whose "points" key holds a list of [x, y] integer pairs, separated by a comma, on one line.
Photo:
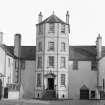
{"points": [[52, 69]]}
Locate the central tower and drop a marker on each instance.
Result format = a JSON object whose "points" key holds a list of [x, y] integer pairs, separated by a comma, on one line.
{"points": [[52, 56]]}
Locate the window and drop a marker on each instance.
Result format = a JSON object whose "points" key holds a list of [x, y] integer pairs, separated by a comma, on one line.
{"points": [[63, 48], [39, 80], [40, 46], [75, 65], [16, 64], [39, 65], [63, 79], [93, 65], [40, 29], [9, 63], [63, 28], [22, 64], [51, 61], [63, 62], [51, 46], [51, 27]]}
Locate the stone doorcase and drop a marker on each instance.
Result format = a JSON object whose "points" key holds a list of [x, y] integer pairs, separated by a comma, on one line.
{"points": [[49, 82]]}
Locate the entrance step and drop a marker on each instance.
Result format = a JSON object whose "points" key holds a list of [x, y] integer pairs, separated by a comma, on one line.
{"points": [[49, 95]]}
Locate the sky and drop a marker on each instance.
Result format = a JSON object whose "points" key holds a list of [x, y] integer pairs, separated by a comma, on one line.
{"points": [[87, 19]]}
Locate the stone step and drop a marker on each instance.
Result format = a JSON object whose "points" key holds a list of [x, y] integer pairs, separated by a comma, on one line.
{"points": [[49, 95]]}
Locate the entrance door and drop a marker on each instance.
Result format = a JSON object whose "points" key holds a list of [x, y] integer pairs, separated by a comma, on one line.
{"points": [[51, 83], [84, 94]]}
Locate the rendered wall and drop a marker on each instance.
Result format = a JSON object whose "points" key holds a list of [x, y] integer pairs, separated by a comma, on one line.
{"points": [[83, 76], [28, 79]]}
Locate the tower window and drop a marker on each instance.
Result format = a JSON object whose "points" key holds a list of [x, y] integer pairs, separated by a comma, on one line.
{"points": [[39, 65], [9, 63], [63, 48], [51, 27], [39, 80], [51, 61], [40, 46], [75, 65], [63, 28], [63, 79], [51, 46], [63, 62], [40, 29], [93, 65]]}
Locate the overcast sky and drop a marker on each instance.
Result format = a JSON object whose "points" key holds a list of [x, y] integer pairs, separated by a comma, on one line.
{"points": [[87, 19]]}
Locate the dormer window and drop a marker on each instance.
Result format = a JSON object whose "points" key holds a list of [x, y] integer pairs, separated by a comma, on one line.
{"points": [[40, 29], [63, 28], [51, 28]]}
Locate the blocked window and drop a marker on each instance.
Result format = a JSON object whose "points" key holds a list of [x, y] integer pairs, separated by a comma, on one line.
{"points": [[50, 46], [75, 65], [39, 79], [50, 61], [63, 62], [39, 64], [51, 27], [63, 79], [93, 65], [63, 48], [40, 46], [63, 28]]}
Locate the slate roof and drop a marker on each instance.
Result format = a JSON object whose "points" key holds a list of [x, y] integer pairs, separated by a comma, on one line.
{"points": [[27, 52], [8, 50], [82, 52], [52, 19], [75, 52]]}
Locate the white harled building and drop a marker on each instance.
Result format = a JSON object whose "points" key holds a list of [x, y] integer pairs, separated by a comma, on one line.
{"points": [[52, 69]]}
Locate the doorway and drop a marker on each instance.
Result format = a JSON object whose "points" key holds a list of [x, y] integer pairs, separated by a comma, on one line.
{"points": [[84, 92], [50, 83], [6, 92]]}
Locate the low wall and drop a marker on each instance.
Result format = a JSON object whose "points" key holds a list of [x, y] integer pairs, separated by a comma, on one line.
{"points": [[13, 95]]}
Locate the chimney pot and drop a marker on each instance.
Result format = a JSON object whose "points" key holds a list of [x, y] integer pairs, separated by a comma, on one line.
{"points": [[67, 17], [99, 46]]}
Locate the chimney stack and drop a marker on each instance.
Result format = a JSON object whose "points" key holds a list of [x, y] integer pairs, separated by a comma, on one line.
{"points": [[40, 17], [1, 38], [99, 46], [17, 45], [67, 17]]}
